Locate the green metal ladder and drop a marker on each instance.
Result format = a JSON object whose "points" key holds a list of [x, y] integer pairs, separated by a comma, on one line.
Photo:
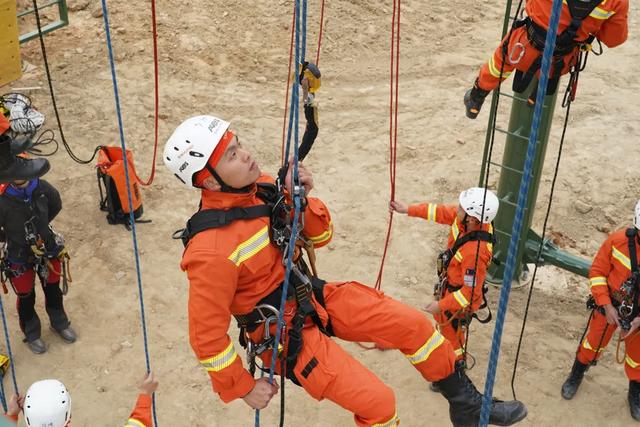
{"points": [[61, 21], [511, 172]]}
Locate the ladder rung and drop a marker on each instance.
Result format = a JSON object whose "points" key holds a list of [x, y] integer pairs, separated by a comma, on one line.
{"points": [[508, 95], [40, 7], [500, 165], [506, 132]]}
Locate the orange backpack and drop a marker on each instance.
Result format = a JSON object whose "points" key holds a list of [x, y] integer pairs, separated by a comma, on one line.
{"points": [[114, 200]]}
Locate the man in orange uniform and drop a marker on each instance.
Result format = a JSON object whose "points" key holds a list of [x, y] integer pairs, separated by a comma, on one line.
{"points": [[613, 276], [464, 263], [48, 403], [581, 21], [236, 268]]}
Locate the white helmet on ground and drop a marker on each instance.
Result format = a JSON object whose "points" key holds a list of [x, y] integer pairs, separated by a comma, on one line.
{"points": [[471, 201], [47, 403], [188, 149], [636, 217]]}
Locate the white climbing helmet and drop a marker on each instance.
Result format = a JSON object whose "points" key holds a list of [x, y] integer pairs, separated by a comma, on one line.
{"points": [[189, 147], [636, 217], [471, 201], [47, 403]]}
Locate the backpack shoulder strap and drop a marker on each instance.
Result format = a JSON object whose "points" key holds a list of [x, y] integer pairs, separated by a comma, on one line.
{"points": [[481, 235], [217, 218], [632, 234], [580, 9]]}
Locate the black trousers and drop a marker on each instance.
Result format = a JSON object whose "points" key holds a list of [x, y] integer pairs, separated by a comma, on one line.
{"points": [[29, 320]]}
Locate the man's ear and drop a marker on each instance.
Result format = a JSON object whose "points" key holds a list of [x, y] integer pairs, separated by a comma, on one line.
{"points": [[210, 183]]}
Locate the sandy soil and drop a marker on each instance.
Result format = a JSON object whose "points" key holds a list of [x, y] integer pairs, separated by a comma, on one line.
{"points": [[230, 59]]}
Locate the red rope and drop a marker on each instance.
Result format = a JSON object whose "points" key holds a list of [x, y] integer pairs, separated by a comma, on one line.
{"points": [[320, 34], [156, 99], [289, 75], [393, 121]]}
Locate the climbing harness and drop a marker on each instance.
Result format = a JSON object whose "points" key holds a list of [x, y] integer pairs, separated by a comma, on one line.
{"points": [[565, 44], [443, 286]]}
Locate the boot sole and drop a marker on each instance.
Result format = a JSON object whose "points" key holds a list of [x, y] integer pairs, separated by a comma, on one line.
{"points": [[519, 418], [467, 98]]}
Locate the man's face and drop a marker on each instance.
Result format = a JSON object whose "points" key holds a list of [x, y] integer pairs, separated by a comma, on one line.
{"points": [[471, 221], [236, 167]]}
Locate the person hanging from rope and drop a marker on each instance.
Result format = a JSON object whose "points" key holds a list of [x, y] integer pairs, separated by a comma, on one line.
{"points": [[581, 23], [462, 267], [12, 167], [48, 403], [33, 249], [234, 262], [614, 279], [309, 79]]}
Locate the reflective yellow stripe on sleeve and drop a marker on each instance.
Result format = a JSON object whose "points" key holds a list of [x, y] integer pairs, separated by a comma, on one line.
{"points": [[597, 281], [454, 229], [459, 352], [134, 423], [601, 14], [425, 351], [431, 212], [394, 421], [221, 361], [458, 256], [250, 247], [621, 258], [322, 237], [632, 363], [460, 298]]}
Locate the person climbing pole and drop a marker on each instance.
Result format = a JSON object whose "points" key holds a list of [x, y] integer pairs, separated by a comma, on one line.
{"points": [[462, 267], [33, 249], [12, 167], [581, 23], [614, 279], [234, 263], [48, 403], [309, 79]]}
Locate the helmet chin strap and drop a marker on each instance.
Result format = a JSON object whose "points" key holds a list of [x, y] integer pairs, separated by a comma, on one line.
{"points": [[223, 185]]}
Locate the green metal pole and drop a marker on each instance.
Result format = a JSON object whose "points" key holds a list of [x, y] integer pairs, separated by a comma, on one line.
{"points": [[511, 175]]}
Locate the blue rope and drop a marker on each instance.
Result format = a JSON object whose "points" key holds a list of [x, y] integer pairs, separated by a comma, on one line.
{"points": [[105, 14], [292, 129], [3, 396], [522, 199]]}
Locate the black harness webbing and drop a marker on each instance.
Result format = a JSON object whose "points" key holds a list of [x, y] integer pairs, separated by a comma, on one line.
{"points": [[565, 44]]}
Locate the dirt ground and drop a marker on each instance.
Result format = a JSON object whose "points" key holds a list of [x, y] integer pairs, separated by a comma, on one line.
{"points": [[230, 59]]}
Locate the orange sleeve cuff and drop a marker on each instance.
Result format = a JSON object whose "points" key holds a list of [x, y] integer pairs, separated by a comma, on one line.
{"points": [[240, 389], [602, 298]]}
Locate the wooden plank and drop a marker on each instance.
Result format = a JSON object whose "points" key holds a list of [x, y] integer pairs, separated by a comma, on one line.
{"points": [[10, 65]]}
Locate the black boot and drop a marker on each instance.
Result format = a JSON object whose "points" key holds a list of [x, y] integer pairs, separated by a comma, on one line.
{"points": [[634, 399], [473, 100], [20, 144], [465, 403], [14, 168], [570, 386]]}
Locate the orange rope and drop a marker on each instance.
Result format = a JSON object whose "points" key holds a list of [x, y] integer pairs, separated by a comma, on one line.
{"points": [[154, 29], [320, 34], [393, 121], [289, 76]]}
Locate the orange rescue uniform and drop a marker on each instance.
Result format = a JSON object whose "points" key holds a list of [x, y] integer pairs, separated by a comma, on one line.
{"points": [[231, 269], [461, 273], [608, 22], [610, 269], [141, 415]]}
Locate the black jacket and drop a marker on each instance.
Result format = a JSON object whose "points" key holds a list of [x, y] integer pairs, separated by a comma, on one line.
{"points": [[15, 212]]}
